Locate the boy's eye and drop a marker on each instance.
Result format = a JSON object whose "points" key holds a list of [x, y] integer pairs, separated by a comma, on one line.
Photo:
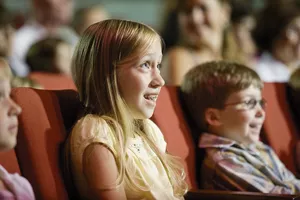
{"points": [[251, 103]]}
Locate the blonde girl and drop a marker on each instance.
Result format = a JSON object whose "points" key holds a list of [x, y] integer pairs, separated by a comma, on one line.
{"points": [[114, 151]]}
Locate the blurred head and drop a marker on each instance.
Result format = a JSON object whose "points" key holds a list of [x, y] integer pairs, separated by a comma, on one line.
{"points": [[6, 32], [52, 55], [224, 98], [200, 19], [53, 12], [278, 27], [9, 110], [116, 66], [243, 22], [88, 16]]}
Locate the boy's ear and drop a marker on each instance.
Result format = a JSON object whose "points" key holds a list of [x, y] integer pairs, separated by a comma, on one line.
{"points": [[212, 117]]}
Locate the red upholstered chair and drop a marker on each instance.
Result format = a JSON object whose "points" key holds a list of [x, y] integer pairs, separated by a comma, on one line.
{"points": [[279, 129], [9, 161], [45, 117], [51, 81], [48, 114]]}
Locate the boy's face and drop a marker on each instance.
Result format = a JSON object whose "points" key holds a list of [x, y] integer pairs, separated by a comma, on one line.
{"points": [[243, 116], [9, 112]]}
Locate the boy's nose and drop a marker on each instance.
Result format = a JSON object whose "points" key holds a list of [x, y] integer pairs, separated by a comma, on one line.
{"points": [[260, 112]]}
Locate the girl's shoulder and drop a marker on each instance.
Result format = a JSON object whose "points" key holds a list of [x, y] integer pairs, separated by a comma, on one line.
{"points": [[93, 129]]}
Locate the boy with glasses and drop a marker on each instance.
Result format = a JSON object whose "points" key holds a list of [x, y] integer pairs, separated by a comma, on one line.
{"points": [[224, 101]]}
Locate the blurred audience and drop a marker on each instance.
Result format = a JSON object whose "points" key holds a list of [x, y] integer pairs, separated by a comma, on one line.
{"points": [[50, 18], [52, 55], [242, 47], [85, 17], [277, 37], [6, 39], [201, 26]]}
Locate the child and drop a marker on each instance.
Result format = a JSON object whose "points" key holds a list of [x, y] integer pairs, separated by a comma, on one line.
{"points": [[52, 55], [12, 186], [114, 151], [225, 102]]}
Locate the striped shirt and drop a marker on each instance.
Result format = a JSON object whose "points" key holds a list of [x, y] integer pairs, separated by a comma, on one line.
{"points": [[228, 165]]}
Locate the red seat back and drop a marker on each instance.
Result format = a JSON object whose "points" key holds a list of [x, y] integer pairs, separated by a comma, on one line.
{"points": [[9, 161], [169, 117], [279, 129], [42, 131], [51, 81]]}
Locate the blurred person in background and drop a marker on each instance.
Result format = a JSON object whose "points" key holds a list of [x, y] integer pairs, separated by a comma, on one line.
{"points": [[7, 33], [242, 22], [200, 36], [50, 18], [277, 35], [85, 17], [50, 55]]}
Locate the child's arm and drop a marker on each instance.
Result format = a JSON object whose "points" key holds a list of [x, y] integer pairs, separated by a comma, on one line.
{"points": [[236, 174], [101, 171]]}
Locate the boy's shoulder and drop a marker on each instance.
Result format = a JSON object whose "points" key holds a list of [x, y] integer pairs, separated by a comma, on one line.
{"points": [[219, 148]]}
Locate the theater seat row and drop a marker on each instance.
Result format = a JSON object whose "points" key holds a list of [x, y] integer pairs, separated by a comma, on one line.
{"points": [[48, 116]]}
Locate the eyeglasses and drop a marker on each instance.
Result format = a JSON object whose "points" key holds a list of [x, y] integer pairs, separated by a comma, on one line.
{"points": [[248, 104]]}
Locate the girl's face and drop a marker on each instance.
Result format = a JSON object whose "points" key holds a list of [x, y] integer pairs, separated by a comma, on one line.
{"points": [[200, 20], [140, 82], [9, 112]]}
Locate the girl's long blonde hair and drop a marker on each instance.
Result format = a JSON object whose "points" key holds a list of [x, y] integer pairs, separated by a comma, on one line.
{"points": [[103, 48]]}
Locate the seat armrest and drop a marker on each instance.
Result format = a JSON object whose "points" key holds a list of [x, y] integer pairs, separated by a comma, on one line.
{"points": [[230, 195]]}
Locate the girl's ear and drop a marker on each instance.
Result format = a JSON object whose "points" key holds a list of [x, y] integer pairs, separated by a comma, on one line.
{"points": [[212, 117]]}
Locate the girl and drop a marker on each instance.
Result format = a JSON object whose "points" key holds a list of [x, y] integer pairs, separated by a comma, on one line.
{"points": [[12, 186], [114, 151]]}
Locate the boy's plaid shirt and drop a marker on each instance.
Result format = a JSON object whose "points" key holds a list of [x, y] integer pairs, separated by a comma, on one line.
{"points": [[231, 166]]}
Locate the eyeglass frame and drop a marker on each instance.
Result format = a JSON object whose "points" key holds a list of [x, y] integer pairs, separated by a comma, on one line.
{"points": [[262, 102]]}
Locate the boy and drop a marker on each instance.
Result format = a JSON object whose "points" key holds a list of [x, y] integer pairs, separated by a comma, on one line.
{"points": [[225, 102]]}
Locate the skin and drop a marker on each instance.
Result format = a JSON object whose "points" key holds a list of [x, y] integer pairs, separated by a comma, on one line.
{"points": [[241, 125], [53, 13], [287, 48], [63, 58], [9, 112], [135, 81], [201, 25]]}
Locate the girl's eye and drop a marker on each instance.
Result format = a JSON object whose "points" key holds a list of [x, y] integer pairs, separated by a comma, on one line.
{"points": [[158, 66], [146, 64]]}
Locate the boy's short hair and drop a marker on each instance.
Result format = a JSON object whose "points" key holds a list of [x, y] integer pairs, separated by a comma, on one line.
{"points": [[208, 85]]}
